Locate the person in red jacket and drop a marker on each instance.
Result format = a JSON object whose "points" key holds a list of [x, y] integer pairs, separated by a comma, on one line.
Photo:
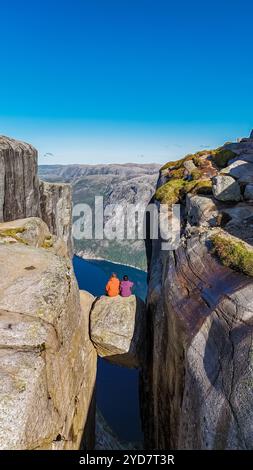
{"points": [[126, 287], [112, 286]]}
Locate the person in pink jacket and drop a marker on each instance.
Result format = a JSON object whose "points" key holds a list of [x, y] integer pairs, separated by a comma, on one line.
{"points": [[126, 287]]}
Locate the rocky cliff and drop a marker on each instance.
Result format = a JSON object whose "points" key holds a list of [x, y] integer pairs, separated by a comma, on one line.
{"points": [[48, 364], [19, 184], [195, 351], [56, 210], [22, 195], [198, 375]]}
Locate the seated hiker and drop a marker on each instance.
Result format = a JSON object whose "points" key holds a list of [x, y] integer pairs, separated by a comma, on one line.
{"points": [[112, 286], [126, 287]]}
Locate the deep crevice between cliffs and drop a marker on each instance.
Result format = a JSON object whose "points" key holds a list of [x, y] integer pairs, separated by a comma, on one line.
{"points": [[118, 422]]}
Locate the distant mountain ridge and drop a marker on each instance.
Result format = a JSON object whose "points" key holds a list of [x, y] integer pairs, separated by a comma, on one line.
{"points": [[128, 183], [73, 171]]}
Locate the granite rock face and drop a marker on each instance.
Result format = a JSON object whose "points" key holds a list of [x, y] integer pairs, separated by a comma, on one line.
{"points": [[248, 193], [225, 188], [198, 373], [106, 439], [48, 364], [117, 329], [56, 209], [241, 170], [22, 195], [201, 210], [19, 184], [197, 391], [189, 166], [32, 231]]}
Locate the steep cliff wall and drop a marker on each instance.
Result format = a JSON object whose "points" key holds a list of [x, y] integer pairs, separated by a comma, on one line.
{"points": [[19, 184], [48, 363], [197, 383], [56, 209], [22, 195]]}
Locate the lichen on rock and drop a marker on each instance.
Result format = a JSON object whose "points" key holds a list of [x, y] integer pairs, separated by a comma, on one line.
{"points": [[233, 252]]}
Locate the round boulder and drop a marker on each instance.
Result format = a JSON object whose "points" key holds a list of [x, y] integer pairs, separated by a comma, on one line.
{"points": [[117, 329], [225, 188]]}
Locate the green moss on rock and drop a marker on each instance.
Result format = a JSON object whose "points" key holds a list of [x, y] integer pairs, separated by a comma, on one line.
{"points": [[14, 234], [177, 174], [177, 163], [234, 254], [177, 187], [169, 193], [196, 174], [175, 190], [222, 156], [203, 187], [48, 242]]}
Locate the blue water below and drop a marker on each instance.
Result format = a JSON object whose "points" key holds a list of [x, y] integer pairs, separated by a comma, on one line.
{"points": [[117, 387]]}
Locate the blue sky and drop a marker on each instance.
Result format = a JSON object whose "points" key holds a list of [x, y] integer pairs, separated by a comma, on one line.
{"points": [[90, 81]]}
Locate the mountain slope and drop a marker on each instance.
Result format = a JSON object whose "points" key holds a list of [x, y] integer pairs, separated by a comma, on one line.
{"points": [[118, 184]]}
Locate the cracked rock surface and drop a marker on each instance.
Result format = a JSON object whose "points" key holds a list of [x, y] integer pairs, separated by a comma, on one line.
{"points": [[22, 195], [117, 329], [202, 365], [197, 381], [48, 364]]}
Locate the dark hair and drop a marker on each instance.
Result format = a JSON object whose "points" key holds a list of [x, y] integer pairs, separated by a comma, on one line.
{"points": [[125, 278]]}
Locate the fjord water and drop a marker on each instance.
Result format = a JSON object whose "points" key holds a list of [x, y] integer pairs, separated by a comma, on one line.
{"points": [[117, 387]]}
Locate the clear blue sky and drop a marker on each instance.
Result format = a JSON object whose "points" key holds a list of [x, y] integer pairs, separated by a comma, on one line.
{"points": [[125, 80]]}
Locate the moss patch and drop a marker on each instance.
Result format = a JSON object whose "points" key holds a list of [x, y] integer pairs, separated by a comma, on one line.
{"points": [[195, 157], [169, 193], [177, 174], [203, 187], [177, 187], [196, 174], [48, 242], [234, 254], [177, 163], [175, 190], [222, 156], [13, 233]]}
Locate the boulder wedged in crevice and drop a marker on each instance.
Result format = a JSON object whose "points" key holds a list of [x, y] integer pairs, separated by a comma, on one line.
{"points": [[117, 329]]}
